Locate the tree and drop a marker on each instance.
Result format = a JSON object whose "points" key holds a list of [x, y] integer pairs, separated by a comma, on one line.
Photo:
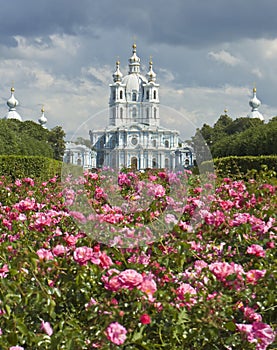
{"points": [[57, 142], [242, 136], [29, 138]]}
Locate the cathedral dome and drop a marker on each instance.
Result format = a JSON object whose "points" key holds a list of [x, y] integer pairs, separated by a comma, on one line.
{"points": [[134, 82]]}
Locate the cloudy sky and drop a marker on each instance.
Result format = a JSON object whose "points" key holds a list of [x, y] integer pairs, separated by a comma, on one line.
{"points": [[208, 55]]}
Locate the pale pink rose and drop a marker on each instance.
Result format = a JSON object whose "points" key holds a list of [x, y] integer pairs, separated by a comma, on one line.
{"points": [[59, 250], [223, 269], [45, 254], [4, 270], [159, 191], [257, 250], [82, 255], [116, 333], [130, 278], [16, 348], [46, 327], [148, 286], [90, 303]]}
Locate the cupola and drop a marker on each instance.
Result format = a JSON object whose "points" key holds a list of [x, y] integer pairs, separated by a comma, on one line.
{"points": [[42, 120], [117, 75], [134, 61], [12, 104], [255, 103], [151, 75]]}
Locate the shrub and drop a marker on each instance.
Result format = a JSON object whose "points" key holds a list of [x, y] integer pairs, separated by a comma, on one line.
{"points": [[29, 166]]}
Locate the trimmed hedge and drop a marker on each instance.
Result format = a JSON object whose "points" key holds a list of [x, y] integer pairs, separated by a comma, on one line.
{"points": [[29, 166], [239, 166]]}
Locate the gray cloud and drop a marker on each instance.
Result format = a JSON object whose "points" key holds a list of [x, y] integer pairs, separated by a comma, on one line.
{"points": [[207, 55]]}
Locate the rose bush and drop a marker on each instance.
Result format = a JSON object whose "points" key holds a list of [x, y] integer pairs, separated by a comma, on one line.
{"points": [[207, 283]]}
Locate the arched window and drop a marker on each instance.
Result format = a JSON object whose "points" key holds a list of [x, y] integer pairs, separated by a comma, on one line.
{"points": [[121, 94], [79, 162], [121, 113], [154, 142], [155, 95], [134, 96], [147, 95], [154, 163], [155, 113], [113, 94], [166, 143], [166, 163]]}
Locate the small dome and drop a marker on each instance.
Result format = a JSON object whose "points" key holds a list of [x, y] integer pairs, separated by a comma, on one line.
{"points": [[12, 103], [151, 75], [117, 75], [255, 103], [42, 120]]}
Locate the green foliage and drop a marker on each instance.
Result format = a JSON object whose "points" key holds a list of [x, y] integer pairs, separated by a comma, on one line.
{"points": [[240, 137], [56, 140], [239, 166], [31, 139], [29, 166]]}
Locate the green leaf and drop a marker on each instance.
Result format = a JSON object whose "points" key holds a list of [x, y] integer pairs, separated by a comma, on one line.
{"points": [[230, 326]]}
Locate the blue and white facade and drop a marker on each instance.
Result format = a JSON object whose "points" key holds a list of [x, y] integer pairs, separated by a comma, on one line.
{"points": [[79, 155], [134, 137]]}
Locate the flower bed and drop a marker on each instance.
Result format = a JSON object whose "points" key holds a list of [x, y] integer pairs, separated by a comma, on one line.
{"points": [[138, 261]]}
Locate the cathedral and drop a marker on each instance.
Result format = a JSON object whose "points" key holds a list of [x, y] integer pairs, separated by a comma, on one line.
{"points": [[134, 137]]}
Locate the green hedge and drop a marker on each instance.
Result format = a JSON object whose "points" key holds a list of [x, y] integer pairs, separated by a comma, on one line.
{"points": [[29, 166], [239, 166]]}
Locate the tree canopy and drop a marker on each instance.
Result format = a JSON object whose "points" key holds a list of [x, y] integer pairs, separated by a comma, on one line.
{"points": [[31, 139], [240, 137]]}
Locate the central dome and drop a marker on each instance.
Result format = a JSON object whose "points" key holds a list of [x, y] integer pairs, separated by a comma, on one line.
{"points": [[134, 82]]}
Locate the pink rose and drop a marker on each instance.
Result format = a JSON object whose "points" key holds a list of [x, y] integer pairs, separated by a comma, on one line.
{"points": [[59, 250], [257, 250], [148, 286], [252, 276], [82, 255], [116, 333], [45, 254], [45, 326], [130, 278]]}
